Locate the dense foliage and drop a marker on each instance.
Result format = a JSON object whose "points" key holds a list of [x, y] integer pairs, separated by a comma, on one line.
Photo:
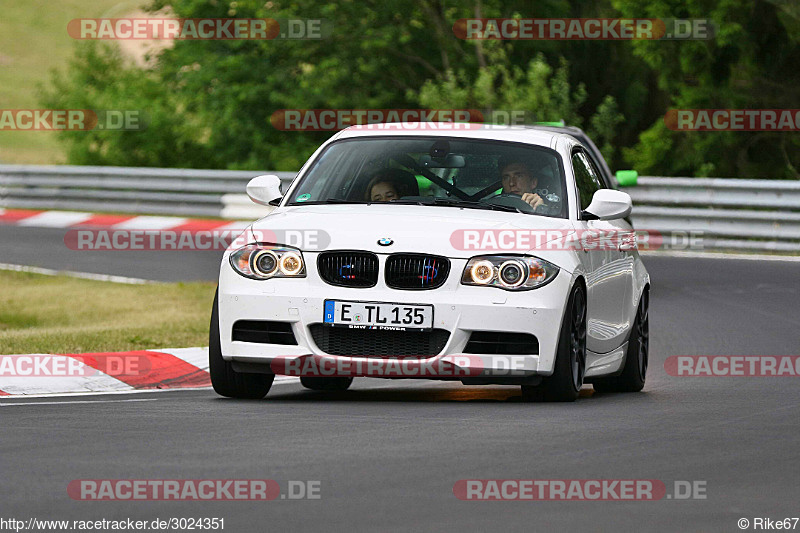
{"points": [[209, 102]]}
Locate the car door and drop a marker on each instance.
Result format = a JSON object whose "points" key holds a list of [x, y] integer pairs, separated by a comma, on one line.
{"points": [[608, 273], [624, 260]]}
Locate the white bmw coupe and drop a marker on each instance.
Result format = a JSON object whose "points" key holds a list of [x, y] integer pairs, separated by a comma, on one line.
{"points": [[485, 255]]}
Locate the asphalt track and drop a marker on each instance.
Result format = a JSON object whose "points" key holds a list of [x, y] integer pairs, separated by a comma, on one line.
{"points": [[387, 453], [44, 247]]}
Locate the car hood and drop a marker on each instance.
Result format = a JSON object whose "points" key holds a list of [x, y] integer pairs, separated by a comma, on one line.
{"points": [[421, 229]]}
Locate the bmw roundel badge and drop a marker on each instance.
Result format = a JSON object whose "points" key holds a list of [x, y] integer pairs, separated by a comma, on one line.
{"points": [[386, 241]]}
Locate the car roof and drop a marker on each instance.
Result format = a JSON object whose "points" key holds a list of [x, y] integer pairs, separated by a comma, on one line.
{"points": [[574, 131], [580, 136], [559, 129], [523, 134]]}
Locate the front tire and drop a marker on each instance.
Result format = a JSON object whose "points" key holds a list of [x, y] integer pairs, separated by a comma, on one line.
{"points": [[326, 384], [567, 379], [634, 372], [226, 381]]}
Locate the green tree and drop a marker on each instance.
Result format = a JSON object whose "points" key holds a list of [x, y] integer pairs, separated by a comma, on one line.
{"points": [[542, 92], [210, 102], [99, 79], [751, 63]]}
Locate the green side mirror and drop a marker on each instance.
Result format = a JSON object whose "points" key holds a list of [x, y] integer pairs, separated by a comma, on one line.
{"points": [[627, 178]]}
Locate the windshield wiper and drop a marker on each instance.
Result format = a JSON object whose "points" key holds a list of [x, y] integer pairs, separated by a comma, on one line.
{"points": [[328, 201], [423, 200], [474, 205], [455, 202], [407, 201]]}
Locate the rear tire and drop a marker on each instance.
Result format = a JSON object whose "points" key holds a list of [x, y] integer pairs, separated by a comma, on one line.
{"points": [[634, 372], [226, 381], [567, 379], [326, 384]]}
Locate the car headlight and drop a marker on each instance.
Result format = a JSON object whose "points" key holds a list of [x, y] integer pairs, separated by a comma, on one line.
{"points": [[508, 272], [265, 261]]}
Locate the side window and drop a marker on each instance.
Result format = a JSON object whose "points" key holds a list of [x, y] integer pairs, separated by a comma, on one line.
{"points": [[596, 176], [587, 183], [595, 169]]}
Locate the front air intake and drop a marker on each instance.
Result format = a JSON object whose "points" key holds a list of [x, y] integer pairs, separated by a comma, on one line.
{"points": [[349, 268], [500, 342], [263, 332], [416, 271], [378, 343]]}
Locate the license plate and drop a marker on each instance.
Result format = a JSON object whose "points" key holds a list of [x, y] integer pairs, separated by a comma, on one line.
{"points": [[376, 315]]}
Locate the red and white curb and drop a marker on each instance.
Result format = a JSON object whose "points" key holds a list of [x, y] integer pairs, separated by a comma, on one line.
{"points": [[74, 219], [56, 374]]}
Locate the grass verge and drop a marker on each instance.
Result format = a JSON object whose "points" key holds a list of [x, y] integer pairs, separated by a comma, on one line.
{"points": [[59, 314], [34, 41]]}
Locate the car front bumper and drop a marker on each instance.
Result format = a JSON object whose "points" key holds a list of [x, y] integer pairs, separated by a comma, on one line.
{"points": [[458, 309]]}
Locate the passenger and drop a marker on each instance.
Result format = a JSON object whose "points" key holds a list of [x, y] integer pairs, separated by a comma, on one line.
{"points": [[391, 184]]}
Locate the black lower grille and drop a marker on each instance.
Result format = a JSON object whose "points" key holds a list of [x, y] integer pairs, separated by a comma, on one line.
{"points": [[263, 331], [348, 269], [499, 342], [416, 271], [373, 342]]}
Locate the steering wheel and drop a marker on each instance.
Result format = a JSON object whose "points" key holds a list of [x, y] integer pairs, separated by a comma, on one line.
{"points": [[510, 199]]}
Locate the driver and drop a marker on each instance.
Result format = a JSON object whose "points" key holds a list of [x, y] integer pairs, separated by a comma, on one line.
{"points": [[517, 178]]}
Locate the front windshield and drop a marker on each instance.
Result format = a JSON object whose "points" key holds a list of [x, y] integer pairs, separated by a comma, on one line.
{"points": [[437, 171]]}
